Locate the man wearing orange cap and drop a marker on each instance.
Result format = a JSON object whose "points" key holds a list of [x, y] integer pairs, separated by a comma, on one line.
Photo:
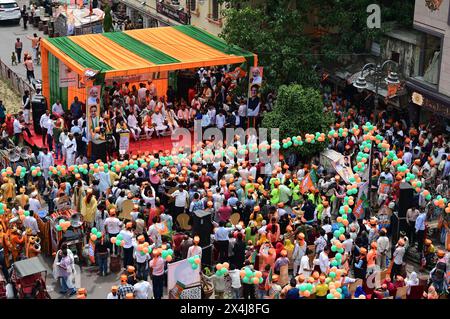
{"points": [[398, 257], [124, 288], [127, 236], [157, 274]]}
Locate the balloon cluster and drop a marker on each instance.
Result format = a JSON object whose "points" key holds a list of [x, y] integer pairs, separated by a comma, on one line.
{"points": [[426, 194], [118, 240], [334, 284], [362, 157], [167, 254], [306, 289], [144, 249], [447, 209], [59, 170], [222, 269], [250, 276], [355, 130], [352, 189], [63, 225], [35, 171], [440, 201], [7, 172], [21, 171], [95, 233], [195, 261]]}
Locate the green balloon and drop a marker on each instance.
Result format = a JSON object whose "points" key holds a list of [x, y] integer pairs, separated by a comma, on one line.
{"points": [[118, 242], [332, 274]]}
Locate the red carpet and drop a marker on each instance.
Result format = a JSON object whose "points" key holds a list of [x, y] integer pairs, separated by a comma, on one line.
{"points": [[152, 145]]}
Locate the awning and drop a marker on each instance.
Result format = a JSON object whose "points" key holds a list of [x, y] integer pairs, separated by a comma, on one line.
{"points": [[29, 267], [146, 50]]}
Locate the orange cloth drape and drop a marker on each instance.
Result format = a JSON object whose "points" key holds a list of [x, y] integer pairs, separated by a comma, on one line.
{"points": [[45, 75], [110, 52]]}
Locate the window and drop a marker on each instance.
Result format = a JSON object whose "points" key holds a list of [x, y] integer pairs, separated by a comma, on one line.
{"points": [[429, 63], [192, 5], [215, 10], [395, 56]]}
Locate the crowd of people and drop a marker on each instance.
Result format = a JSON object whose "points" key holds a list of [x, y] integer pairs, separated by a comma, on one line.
{"points": [[295, 229]]}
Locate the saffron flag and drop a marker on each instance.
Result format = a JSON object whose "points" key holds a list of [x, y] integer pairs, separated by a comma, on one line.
{"points": [[269, 280], [359, 209], [253, 257], [306, 184]]}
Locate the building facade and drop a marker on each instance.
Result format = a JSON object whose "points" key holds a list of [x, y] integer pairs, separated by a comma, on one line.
{"points": [[204, 14], [429, 82]]}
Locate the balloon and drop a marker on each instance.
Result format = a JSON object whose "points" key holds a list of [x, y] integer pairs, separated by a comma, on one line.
{"points": [[226, 265], [246, 280], [113, 240], [169, 258], [255, 280], [306, 294], [219, 266], [194, 266], [332, 274], [118, 242], [191, 260], [93, 237], [197, 261]]}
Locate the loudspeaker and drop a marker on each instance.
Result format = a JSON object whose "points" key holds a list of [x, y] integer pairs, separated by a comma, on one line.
{"points": [[406, 199], [38, 106], [202, 226], [398, 224]]}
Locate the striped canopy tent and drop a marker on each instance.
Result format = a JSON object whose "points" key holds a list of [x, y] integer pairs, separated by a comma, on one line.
{"points": [[130, 53]]}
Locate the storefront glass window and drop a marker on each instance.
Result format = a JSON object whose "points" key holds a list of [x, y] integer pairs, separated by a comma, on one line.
{"points": [[430, 61]]}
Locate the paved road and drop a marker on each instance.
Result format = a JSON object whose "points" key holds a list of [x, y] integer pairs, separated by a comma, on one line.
{"points": [[8, 34]]}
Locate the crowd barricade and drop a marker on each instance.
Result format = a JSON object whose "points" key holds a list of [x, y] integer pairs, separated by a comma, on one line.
{"points": [[16, 82]]}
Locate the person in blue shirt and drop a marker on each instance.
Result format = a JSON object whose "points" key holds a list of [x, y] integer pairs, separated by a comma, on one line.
{"points": [[294, 292]]}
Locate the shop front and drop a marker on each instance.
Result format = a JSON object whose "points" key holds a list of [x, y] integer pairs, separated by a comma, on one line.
{"points": [[430, 108]]}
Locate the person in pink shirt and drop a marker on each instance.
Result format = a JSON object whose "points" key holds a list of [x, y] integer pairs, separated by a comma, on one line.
{"points": [[157, 273]]}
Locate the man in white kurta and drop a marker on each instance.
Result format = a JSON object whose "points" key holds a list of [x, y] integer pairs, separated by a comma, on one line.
{"points": [[45, 161], [134, 126], [158, 120], [71, 149]]}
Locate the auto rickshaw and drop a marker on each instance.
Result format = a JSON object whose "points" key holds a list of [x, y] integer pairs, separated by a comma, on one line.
{"points": [[28, 279]]}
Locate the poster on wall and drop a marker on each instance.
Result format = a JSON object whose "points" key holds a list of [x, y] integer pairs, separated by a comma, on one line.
{"points": [[93, 109], [67, 77], [180, 277], [254, 94]]}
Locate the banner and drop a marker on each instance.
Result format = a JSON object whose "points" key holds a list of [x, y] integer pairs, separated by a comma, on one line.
{"points": [[254, 94], [361, 202], [124, 142], [67, 77], [133, 78], [93, 109], [181, 276]]}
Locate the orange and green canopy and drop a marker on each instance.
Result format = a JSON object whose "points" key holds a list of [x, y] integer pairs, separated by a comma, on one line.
{"points": [[146, 50]]}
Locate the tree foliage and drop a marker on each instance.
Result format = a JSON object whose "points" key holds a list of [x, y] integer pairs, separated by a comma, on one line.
{"points": [[299, 111], [276, 36], [107, 20], [291, 37]]}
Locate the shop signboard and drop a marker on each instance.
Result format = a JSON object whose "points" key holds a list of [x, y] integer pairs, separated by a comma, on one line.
{"points": [[173, 13], [434, 106]]}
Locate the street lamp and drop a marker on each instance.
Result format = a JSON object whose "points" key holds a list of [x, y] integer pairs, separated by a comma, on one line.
{"points": [[361, 84]]}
